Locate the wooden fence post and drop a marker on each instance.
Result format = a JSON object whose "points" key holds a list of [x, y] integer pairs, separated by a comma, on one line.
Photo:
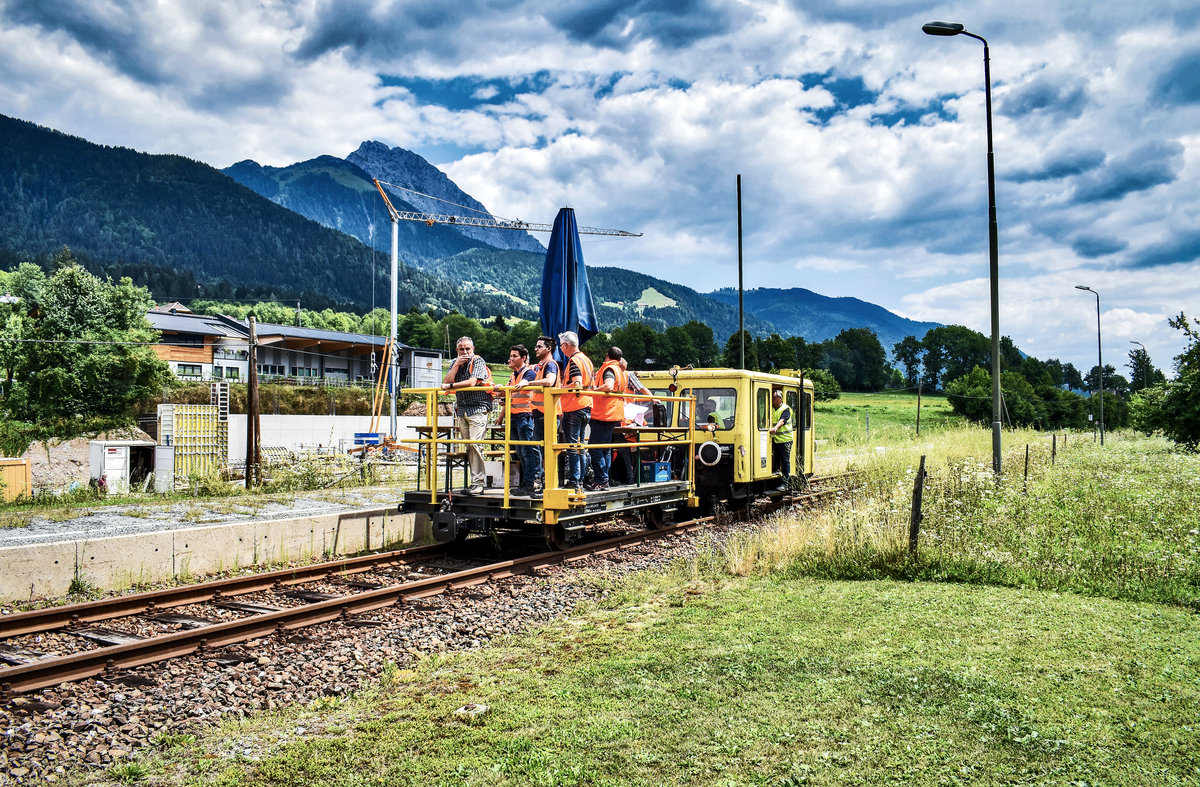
{"points": [[1053, 447], [1027, 468], [914, 519]]}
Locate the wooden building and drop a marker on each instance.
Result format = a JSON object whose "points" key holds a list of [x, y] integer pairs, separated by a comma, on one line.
{"points": [[203, 348]]}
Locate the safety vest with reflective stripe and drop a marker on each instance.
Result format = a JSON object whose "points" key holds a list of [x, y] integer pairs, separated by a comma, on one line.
{"points": [[522, 400], [577, 401], [609, 408], [539, 399], [784, 434]]}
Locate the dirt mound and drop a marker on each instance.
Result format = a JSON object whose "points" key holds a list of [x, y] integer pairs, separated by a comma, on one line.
{"points": [[58, 464], [418, 408]]}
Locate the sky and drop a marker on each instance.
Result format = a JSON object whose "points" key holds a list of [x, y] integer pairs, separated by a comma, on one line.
{"points": [[860, 141]]}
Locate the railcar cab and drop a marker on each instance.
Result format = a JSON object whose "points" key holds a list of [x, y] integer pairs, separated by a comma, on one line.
{"points": [[732, 415]]}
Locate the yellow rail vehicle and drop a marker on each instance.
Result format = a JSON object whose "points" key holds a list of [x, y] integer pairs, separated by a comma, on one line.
{"points": [[705, 439], [732, 427]]}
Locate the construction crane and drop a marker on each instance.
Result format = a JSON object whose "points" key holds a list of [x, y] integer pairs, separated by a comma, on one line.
{"points": [[489, 221]]}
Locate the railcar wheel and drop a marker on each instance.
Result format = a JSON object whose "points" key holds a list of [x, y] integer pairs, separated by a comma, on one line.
{"points": [[655, 517], [556, 537]]}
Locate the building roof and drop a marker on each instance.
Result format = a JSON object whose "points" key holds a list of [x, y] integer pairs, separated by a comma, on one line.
{"points": [[170, 322]]}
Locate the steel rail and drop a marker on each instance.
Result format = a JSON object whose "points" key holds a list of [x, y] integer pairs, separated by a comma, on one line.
{"points": [[51, 618], [111, 660]]}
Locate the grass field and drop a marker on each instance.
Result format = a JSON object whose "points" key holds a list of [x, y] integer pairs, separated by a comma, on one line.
{"points": [[892, 416], [1045, 634]]}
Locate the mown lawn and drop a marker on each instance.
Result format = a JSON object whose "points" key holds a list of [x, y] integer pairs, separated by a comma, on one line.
{"points": [[767, 681], [843, 422]]}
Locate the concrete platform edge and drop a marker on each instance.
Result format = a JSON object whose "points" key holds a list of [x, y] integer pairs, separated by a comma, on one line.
{"points": [[47, 570]]}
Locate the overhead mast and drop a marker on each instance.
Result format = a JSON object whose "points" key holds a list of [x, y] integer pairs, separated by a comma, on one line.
{"points": [[490, 222]]}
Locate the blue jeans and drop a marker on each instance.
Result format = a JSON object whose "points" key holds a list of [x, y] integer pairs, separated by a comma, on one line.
{"points": [[530, 455], [602, 432], [573, 424]]}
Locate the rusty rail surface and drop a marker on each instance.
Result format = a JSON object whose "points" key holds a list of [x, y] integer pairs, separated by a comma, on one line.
{"points": [[51, 618]]}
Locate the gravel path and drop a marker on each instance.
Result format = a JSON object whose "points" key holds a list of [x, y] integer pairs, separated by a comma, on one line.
{"points": [[121, 520], [94, 724]]}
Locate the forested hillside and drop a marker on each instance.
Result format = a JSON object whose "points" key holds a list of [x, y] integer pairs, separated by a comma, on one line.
{"points": [[618, 292], [184, 228], [818, 318]]}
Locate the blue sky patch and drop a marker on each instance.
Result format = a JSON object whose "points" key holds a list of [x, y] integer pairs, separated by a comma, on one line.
{"points": [[468, 92]]}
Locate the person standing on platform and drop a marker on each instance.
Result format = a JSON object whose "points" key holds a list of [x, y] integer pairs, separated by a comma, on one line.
{"points": [[546, 375], [781, 438], [576, 407], [471, 408], [607, 414], [521, 417]]}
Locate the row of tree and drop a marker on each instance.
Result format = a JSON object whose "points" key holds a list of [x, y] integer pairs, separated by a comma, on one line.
{"points": [[77, 347]]}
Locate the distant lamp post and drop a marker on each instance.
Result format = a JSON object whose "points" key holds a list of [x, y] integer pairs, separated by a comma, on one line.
{"points": [[1145, 369], [954, 29], [1099, 356]]}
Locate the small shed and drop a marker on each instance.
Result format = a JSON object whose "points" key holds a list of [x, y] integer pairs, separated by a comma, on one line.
{"points": [[15, 477], [122, 463]]}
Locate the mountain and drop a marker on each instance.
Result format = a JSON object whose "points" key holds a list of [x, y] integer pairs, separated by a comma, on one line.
{"points": [[801, 312], [185, 229], [340, 195], [621, 295], [431, 191]]}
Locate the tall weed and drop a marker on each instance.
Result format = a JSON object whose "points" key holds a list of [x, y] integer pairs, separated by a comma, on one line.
{"points": [[1118, 521]]}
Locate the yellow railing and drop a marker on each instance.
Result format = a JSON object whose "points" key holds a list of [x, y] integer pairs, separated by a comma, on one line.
{"points": [[432, 445]]}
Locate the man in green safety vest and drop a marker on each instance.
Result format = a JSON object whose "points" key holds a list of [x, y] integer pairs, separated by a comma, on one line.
{"points": [[781, 438]]}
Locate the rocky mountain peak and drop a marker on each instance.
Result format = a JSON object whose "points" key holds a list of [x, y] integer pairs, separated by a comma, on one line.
{"points": [[405, 168]]}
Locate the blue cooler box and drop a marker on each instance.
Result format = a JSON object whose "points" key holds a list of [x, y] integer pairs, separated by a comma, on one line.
{"points": [[656, 471]]}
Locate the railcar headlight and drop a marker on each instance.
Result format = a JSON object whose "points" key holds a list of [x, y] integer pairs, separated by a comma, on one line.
{"points": [[709, 453]]}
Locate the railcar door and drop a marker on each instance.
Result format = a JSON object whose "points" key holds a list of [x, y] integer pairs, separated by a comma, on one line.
{"points": [[761, 463], [792, 399]]}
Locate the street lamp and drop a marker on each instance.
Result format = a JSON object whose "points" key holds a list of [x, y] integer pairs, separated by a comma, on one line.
{"points": [[954, 29], [1099, 356], [1145, 370]]}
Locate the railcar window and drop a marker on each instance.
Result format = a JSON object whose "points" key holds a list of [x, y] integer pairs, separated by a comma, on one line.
{"points": [[808, 408], [793, 403], [719, 403], [762, 400], [669, 405]]}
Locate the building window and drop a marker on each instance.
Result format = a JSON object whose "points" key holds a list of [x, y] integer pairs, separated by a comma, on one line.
{"points": [[183, 339], [189, 370], [232, 374]]}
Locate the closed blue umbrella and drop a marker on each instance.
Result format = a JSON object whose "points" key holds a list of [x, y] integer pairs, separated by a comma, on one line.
{"points": [[566, 297]]}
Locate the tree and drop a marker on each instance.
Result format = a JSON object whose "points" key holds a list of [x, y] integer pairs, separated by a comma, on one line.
{"points": [[971, 396], [52, 376], [825, 385], [907, 353], [677, 348], [1142, 373], [775, 353], [639, 344], [863, 365], [701, 335], [732, 356], [1113, 382], [952, 351], [1174, 407], [417, 329]]}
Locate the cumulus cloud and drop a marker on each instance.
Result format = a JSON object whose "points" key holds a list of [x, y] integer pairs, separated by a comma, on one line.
{"points": [[1145, 167], [860, 140]]}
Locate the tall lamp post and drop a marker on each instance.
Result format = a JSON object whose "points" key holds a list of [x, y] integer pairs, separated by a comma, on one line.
{"points": [[1145, 371], [1099, 356], [954, 29]]}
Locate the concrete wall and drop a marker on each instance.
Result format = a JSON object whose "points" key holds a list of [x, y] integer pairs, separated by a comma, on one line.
{"points": [[309, 431], [118, 562]]}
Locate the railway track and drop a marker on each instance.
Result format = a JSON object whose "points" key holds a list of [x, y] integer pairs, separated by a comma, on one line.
{"points": [[173, 622], [120, 650]]}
